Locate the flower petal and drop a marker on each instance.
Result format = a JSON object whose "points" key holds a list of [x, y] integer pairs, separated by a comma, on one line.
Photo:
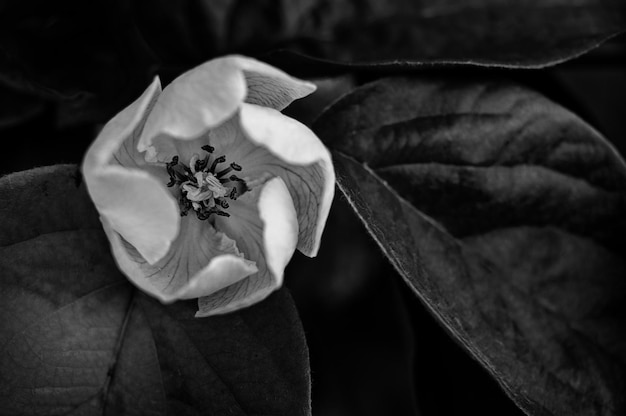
{"points": [[265, 226], [209, 94], [201, 98], [269, 86], [201, 261], [135, 203], [301, 160]]}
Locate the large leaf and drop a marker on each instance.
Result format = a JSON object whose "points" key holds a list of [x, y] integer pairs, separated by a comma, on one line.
{"points": [[483, 32], [77, 338], [406, 33], [111, 49], [505, 213]]}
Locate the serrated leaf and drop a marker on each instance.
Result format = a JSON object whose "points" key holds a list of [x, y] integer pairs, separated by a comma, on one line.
{"points": [[504, 213], [77, 338]]}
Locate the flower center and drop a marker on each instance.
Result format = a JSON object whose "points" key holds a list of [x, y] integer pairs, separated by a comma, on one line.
{"points": [[202, 189]]}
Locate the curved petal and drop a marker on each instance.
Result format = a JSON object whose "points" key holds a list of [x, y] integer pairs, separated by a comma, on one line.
{"points": [[196, 101], [300, 159], [269, 86], [209, 94], [135, 203], [201, 261], [126, 126], [265, 226]]}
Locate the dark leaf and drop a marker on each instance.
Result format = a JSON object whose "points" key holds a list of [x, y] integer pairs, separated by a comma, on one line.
{"points": [[505, 213], [77, 338], [108, 51], [404, 33], [534, 33]]}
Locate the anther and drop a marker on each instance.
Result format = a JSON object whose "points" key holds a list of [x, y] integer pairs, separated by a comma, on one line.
{"points": [[204, 215], [201, 164], [176, 177], [241, 182], [201, 190], [168, 165], [220, 159], [233, 166]]}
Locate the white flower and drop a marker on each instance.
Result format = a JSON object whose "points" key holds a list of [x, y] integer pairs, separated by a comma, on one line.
{"points": [[205, 189]]}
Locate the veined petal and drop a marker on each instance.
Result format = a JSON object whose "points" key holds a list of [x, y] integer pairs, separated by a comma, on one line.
{"points": [[208, 95], [133, 201], [265, 226], [201, 261], [300, 159], [269, 86], [198, 100]]}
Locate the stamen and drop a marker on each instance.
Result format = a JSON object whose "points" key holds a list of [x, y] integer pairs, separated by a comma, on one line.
{"points": [[223, 172], [178, 173], [217, 161], [168, 166], [192, 162], [185, 204], [233, 166], [201, 190], [201, 164], [222, 203], [205, 214], [242, 186]]}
